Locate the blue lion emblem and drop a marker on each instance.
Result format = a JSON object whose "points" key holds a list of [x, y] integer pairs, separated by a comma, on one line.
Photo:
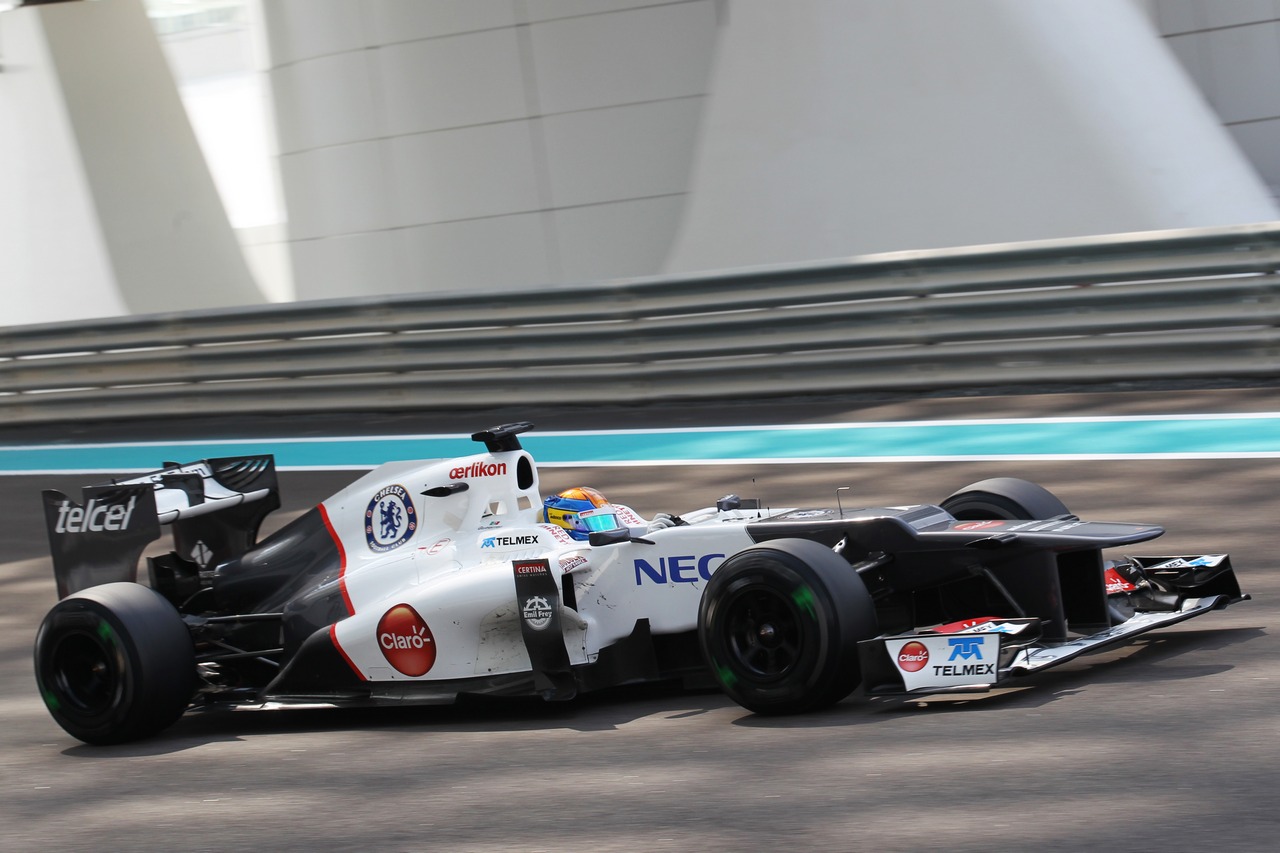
{"points": [[390, 518]]}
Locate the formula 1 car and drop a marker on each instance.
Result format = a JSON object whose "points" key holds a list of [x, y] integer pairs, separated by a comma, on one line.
{"points": [[423, 581]]}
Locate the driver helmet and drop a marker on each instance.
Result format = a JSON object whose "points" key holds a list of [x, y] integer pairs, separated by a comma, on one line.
{"points": [[563, 509]]}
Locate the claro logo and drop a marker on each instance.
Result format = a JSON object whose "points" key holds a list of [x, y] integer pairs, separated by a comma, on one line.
{"points": [[406, 641], [913, 657]]}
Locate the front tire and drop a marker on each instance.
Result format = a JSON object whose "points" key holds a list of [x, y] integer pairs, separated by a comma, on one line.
{"points": [[779, 625], [115, 663], [1006, 498]]}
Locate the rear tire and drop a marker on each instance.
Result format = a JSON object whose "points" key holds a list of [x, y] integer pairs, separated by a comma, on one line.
{"points": [[1004, 498], [115, 663], [779, 625]]}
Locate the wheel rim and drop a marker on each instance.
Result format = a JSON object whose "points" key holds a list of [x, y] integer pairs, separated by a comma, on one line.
{"points": [[764, 635], [85, 674]]}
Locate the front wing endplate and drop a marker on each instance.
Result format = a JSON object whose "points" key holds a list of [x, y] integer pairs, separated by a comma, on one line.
{"points": [[980, 657]]}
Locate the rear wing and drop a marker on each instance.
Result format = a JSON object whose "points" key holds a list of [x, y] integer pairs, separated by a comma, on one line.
{"points": [[214, 506]]}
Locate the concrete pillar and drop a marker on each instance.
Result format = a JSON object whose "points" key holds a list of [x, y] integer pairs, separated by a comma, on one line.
{"points": [[106, 204], [500, 144], [842, 127]]}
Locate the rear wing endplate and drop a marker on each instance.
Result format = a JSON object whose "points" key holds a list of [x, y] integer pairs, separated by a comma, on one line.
{"points": [[214, 507], [99, 541]]}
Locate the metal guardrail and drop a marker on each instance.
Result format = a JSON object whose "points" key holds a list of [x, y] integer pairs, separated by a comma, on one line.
{"points": [[1177, 304]]}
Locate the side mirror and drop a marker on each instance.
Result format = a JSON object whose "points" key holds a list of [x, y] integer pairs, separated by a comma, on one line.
{"points": [[609, 537], [615, 537]]}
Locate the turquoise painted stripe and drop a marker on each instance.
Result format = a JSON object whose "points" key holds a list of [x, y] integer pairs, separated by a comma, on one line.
{"points": [[1203, 436], [950, 440]]}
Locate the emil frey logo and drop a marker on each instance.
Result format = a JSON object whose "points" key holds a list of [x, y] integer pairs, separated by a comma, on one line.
{"points": [[390, 519], [406, 641], [94, 516], [913, 657], [537, 612]]}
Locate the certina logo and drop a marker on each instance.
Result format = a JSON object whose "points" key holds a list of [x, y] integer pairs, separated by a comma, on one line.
{"points": [[537, 612], [406, 641], [390, 519], [509, 541], [913, 657], [94, 517], [682, 569], [478, 469]]}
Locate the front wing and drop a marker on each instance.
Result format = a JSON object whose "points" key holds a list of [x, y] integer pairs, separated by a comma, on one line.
{"points": [[979, 654]]}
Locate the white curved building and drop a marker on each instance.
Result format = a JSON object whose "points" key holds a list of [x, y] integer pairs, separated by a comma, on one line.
{"points": [[454, 145]]}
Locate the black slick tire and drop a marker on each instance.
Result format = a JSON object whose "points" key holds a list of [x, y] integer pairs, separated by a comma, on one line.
{"points": [[115, 663], [779, 625], [1006, 498]]}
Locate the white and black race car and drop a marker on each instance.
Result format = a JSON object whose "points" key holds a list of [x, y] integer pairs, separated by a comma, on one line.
{"points": [[423, 581]]}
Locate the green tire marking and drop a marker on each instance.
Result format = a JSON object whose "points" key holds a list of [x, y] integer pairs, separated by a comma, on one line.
{"points": [[803, 597]]}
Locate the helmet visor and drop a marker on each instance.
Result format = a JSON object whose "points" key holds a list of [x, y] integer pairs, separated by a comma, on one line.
{"points": [[600, 519]]}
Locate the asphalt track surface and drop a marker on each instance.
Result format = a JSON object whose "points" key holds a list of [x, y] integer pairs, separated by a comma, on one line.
{"points": [[1170, 743]]}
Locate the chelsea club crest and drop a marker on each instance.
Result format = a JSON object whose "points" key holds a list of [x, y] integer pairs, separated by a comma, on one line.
{"points": [[390, 519]]}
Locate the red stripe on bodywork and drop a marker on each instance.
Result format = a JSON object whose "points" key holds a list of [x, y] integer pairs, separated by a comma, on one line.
{"points": [[333, 638], [342, 562]]}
